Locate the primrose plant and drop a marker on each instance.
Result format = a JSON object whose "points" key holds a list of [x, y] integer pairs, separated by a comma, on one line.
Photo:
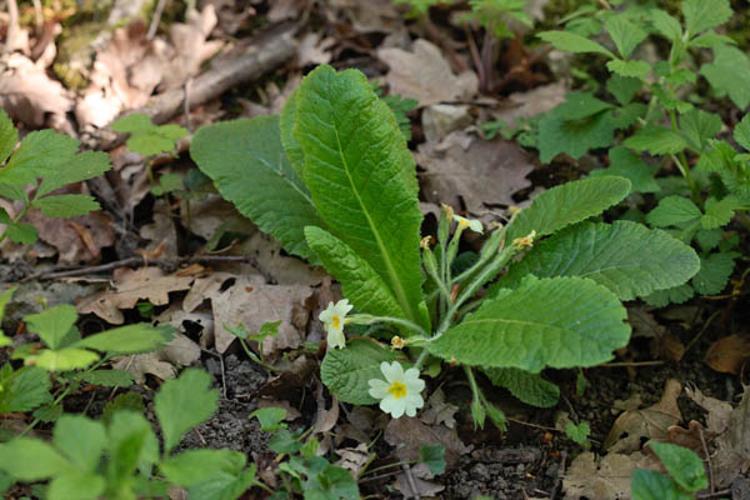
{"points": [[649, 117], [333, 180]]}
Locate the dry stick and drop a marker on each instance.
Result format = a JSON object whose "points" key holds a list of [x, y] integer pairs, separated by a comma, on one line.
{"points": [[711, 483], [136, 261], [154, 26], [266, 53], [411, 481], [12, 25]]}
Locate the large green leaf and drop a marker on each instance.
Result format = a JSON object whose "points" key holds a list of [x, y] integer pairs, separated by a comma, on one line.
{"points": [[183, 403], [291, 146], [702, 15], [530, 388], [361, 284], [556, 322], [628, 258], [247, 163], [729, 74], [346, 372], [129, 339], [30, 459], [81, 440], [362, 178], [567, 204]]}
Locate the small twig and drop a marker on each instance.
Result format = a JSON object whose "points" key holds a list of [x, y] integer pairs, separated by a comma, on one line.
{"points": [[529, 424], [628, 364], [158, 11], [223, 370], [716, 494], [38, 14], [697, 337], [411, 481], [13, 26], [186, 106], [136, 261], [712, 484]]}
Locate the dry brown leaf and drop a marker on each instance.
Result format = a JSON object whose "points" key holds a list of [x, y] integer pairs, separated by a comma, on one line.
{"points": [[728, 354], [719, 411], [438, 412], [368, 17], [409, 434], [128, 69], [130, 286], [732, 456], [439, 120], [687, 438], [534, 102], [252, 303], [419, 484], [608, 477], [649, 423], [77, 240], [190, 47], [27, 93], [314, 50], [325, 418], [424, 74], [124, 75], [458, 169], [354, 459], [163, 364]]}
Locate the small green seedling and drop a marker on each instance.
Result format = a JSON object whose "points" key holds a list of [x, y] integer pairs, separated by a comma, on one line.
{"points": [[122, 458], [32, 173], [302, 470], [148, 140]]}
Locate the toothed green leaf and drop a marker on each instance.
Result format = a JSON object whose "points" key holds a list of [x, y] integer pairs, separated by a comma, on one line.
{"points": [[555, 322], [362, 178], [246, 161], [627, 258]]}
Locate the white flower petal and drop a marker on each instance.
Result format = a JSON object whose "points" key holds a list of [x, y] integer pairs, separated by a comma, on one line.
{"points": [[392, 371], [336, 338], [396, 407], [378, 388]]}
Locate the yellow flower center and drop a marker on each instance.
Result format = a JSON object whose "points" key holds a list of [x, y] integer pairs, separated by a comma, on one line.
{"points": [[463, 223], [397, 390], [336, 322]]}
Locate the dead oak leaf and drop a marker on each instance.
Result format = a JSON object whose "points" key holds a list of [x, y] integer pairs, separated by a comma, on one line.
{"points": [[163, 364], [732, 456], [27, 93], [608, 477], [458, 169], [77, 240], [409, 434], [130, 286], [424, 74], [248, 301], [728, 354], [633, 426]]}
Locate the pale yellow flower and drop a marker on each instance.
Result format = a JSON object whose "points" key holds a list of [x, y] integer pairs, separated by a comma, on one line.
{"points": [[400, 392], [333, 318]]}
